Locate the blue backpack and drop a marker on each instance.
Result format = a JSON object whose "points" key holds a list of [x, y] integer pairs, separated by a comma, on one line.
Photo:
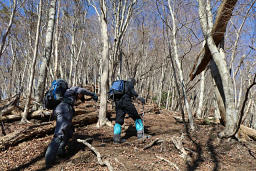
{"points": [[55, 94], [117, 90]]}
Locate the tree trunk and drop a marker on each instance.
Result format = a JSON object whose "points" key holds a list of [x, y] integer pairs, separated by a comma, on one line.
{"points": [[57, 38], [72, 58], [218, 31], [201, 96], [47, 53], [219, 58], [32, 72], [8, 28], [161, 85], [190, 117], [104, 65]]}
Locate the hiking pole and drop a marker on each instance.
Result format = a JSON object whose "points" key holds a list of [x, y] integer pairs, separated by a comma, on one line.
{"points": [[143, 119], [2, 125]]}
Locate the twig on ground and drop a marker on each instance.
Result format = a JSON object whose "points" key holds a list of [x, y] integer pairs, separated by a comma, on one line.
{"points": [[101, 162], [120, 163], [156, 141], [172, 164]]}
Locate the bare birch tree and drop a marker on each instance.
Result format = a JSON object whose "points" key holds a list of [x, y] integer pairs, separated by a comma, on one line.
{"points": [[102, 17], [47, 52], [175, 47], [57, 38], [123, 11], [201, 96], [7, 31], [32, 72]]}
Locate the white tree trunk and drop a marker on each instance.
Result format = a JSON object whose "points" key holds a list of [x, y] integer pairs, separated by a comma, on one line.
{"points": [[31, 79], [161, 84], [201, 96], [219, 59], [57, 38], [175, 46], [72, 58], [47, 53], [4, 36], [104, 65]]}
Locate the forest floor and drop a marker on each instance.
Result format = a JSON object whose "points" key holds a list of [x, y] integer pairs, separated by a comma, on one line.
{"points": [[204, 151]]}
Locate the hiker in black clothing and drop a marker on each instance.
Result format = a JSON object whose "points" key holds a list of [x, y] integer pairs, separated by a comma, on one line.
{"points": [[124, 105], [64, 128]]}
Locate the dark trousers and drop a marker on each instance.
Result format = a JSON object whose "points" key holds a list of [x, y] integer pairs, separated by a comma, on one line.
{"points": [[123, 106], [63, 131]]}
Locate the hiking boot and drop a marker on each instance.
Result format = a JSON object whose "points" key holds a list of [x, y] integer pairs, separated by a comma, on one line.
{"points": [[117, 138], [140, 134]]}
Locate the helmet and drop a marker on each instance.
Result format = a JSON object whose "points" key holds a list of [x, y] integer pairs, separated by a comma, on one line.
{"points": [[132, 80]]}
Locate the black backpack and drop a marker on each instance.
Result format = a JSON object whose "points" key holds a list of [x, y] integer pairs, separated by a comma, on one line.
{"points": [[55, 94], [117, 90]]}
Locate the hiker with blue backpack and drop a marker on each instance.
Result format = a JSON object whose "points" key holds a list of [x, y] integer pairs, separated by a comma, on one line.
{"points": [[122, 93], [61, 100]]}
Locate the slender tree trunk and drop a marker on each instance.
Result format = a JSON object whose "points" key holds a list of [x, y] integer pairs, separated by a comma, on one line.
{"points": [[161, 84], [167, 105], [201, 96], [47, 53], [57, 38], [190, 117], [8, 28], [72, 58], [240, 93], [13, 61], [31, 79]]}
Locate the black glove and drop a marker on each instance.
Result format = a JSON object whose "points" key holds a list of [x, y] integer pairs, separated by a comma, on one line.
{"points": [[141, 99], [95, 97]]}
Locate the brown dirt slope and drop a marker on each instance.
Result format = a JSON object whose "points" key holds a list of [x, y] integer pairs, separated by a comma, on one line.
{"points": [[204, 150]]}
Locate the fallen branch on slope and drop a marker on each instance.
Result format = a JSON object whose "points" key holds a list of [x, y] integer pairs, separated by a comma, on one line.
{"points": [[101, 162], [156, 141]]}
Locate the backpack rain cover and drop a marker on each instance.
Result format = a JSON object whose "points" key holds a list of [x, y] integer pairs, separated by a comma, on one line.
{"points": [[55, 94], [116, 90]]}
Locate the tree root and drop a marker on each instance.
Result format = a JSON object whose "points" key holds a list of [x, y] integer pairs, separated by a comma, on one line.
{"points": [[172, 164], [177, 141], [101, 162]]}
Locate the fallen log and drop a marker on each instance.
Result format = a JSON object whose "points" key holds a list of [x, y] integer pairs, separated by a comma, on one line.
{"points": [[41, 130], [15, 115], [246, 134]]}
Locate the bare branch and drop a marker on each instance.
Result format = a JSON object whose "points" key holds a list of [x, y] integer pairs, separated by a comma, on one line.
{"points": [[172, 164], [101, 162]]}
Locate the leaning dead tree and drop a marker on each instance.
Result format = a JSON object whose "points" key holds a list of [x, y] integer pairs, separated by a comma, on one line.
{"points": [[218, 32]]}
